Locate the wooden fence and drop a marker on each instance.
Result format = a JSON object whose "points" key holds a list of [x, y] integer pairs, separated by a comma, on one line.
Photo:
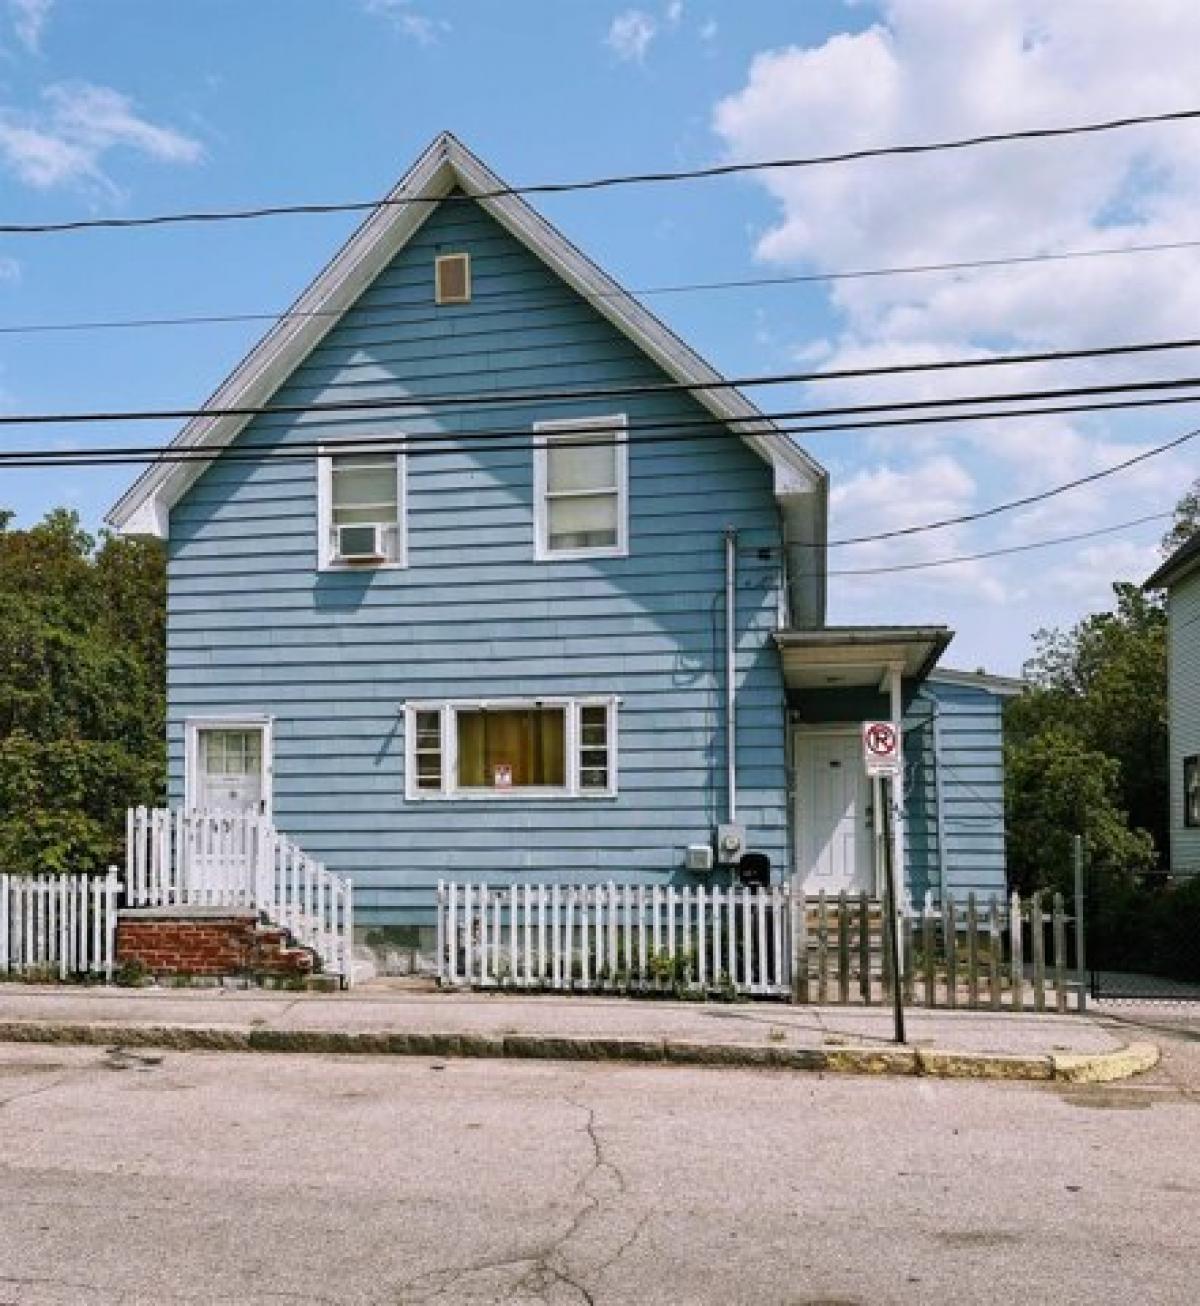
{"points": [[239, 859], [995, 954], [55, 926]]}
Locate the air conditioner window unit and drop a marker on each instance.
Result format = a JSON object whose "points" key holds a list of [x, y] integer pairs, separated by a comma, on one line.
{"points": [[361, 543]]}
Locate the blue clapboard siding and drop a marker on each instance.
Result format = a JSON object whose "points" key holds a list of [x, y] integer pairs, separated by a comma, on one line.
{"points": [[967, 844], [253, 627], [1183, 608]]}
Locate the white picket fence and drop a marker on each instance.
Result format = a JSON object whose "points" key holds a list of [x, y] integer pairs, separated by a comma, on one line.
{"points": [[994, 953], [616, 938], [177, 858], [58, 925]]}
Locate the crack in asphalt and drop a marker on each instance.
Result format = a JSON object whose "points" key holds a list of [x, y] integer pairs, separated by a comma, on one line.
{"points": [[33, 1092], [548, 1266]]}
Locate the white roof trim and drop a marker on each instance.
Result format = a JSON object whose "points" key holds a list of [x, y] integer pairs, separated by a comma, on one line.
{"points": [[1003, 686], [447, 163]]}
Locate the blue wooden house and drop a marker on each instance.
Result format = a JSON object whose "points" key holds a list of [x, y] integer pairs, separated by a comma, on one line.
{"points": [[510, 584]]}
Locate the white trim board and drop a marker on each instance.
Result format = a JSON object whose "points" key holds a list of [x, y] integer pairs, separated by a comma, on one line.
{"points": [[446, 164]]}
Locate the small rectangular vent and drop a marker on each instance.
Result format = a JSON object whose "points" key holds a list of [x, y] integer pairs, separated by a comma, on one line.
{"points": [[452, 275]]}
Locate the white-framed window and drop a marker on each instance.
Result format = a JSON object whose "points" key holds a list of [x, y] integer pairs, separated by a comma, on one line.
{"points": [[361, 510], [581, 488], [511, 748]]}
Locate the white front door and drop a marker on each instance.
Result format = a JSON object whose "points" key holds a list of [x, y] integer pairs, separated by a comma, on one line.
{"points": [[834, 841], [229, 766]]}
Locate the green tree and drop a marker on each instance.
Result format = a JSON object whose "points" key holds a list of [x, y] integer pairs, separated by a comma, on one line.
{"points": [[1186, 520], [81, 691], [1105, 682], [1094, 728], [1056, 787]]}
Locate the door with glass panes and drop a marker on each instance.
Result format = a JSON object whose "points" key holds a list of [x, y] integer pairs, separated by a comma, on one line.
{"points": [[230, 769]]}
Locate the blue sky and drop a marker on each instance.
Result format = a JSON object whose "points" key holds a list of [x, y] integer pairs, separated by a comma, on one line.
{"points": [[135, 106]]}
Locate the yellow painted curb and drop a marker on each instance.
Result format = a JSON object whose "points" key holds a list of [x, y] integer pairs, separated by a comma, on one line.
{"points": [[1092, 1068], [941, 1064], [1104, 1067]]}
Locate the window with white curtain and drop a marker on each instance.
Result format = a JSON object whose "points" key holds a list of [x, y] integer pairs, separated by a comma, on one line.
{"points": [[581, 488]]}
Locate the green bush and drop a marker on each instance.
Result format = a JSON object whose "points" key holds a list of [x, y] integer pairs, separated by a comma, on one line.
{"points": [[1153, 930]]}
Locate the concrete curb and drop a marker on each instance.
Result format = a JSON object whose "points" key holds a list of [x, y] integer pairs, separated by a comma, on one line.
{"points": [[1089, 1068]]}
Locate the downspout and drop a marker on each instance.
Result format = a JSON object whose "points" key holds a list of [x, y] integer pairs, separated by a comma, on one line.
{"points": [[731, 536], [940, 798]]}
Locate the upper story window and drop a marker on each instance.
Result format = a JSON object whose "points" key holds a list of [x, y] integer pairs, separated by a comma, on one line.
{"points": [[452, 279], [1191, 791], [581, 489], [360, 508]]}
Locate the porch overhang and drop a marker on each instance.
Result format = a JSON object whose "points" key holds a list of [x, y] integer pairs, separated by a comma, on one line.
{"points": [[840, 657]]}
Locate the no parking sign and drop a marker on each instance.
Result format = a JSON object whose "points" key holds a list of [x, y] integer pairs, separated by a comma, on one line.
{"points": [[881, 747]]}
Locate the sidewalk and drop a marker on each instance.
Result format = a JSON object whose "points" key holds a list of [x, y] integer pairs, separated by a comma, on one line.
{"points": [[389, 1017]]}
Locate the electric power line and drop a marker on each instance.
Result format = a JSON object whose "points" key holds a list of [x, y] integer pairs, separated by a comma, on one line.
{"points": [[538, 301], [458, 442], [1004, 552], [524, 437], [606, 182], [477, 403], [1025, 501]]}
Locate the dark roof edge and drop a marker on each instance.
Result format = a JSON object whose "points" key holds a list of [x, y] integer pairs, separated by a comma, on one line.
{"points": [[1177, 565]]}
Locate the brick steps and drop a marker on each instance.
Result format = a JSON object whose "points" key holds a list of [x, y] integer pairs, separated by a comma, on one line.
{"points": [[208, 943]]}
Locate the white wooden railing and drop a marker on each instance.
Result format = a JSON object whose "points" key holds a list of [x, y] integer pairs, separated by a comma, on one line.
{"points": [[614, 938], [176, 858], [52, 926]]}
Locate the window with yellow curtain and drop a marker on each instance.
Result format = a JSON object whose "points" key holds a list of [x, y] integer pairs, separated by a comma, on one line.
{"points": [[511, 748]]}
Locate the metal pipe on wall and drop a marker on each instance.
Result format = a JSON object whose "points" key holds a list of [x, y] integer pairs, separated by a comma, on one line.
{"points": [[731, 536]]}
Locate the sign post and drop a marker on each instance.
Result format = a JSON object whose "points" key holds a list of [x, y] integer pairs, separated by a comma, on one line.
{"points": [[881, 756]]}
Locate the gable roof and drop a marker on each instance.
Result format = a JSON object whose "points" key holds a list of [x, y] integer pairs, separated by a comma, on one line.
{"points": [[1185, 559], [445, 166]]}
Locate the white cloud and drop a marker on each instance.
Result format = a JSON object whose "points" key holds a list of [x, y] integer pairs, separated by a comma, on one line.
{"points": [[940, 68], [68, 139], [29, 18], [408, 20], [709, 29], [675, 12], [630, 35], [930, 69]]}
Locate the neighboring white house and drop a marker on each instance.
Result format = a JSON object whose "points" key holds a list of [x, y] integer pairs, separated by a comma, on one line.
{"points": [[1180, 577]]}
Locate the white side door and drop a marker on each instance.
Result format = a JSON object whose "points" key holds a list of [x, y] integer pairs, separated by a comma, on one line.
{"points": [[228, 799], [231, 766], [833, 834]]}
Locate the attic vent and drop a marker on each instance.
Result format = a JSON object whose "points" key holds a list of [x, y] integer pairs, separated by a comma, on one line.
{"points": [[452, 275]]}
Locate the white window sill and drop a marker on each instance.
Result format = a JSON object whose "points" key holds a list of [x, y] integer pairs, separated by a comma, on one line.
{"points": [[508, 795], [363, 566], [579, 555]]}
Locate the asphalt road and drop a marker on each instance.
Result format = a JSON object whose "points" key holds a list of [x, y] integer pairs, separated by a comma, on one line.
{"points": [[258, 1180]]}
